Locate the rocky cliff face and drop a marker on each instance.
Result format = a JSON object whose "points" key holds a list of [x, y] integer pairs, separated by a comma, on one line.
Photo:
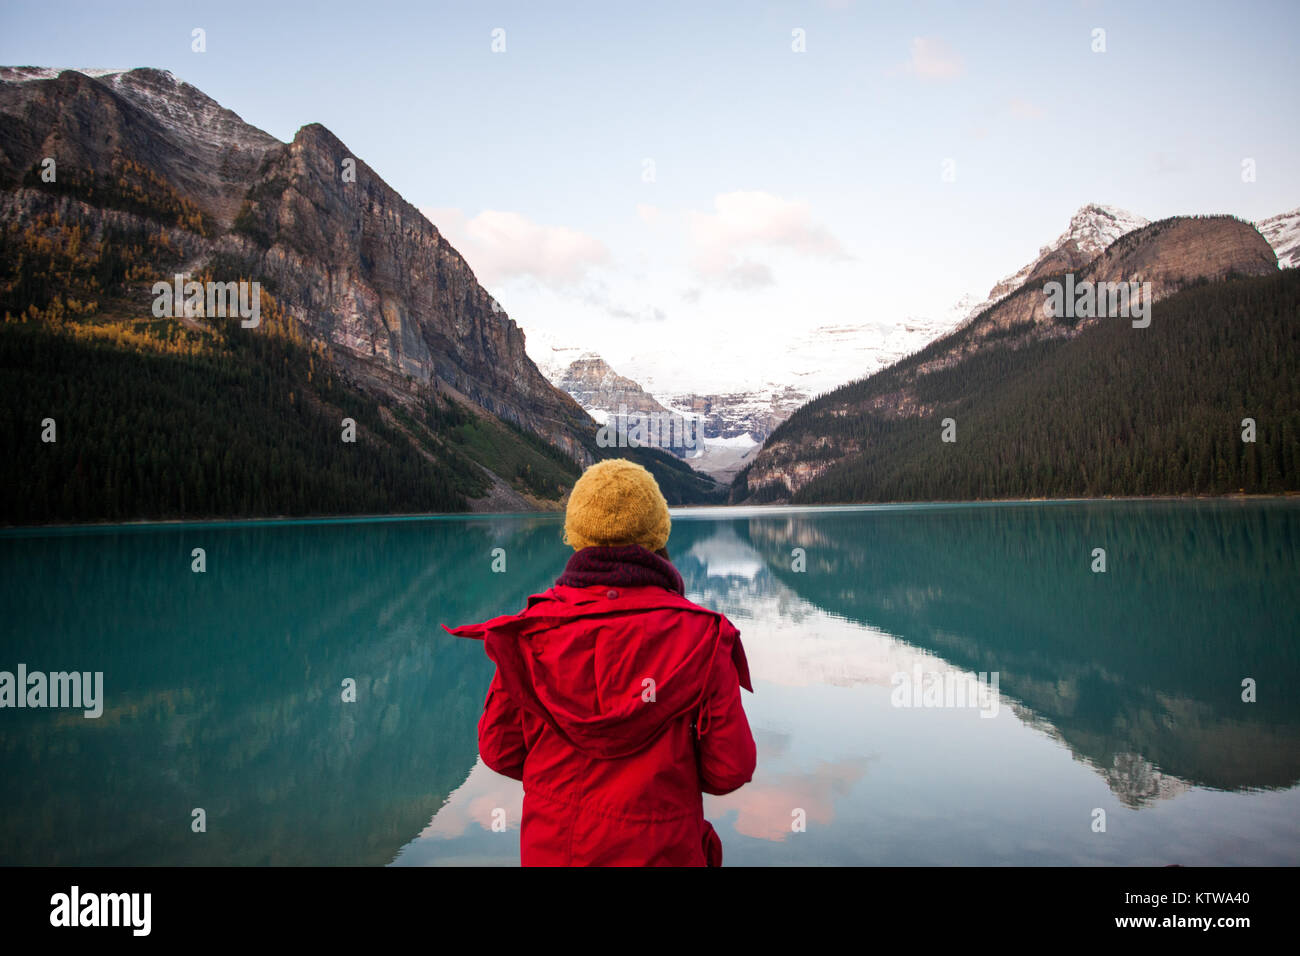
{"points": [[378, 281], [358, 267], [1170, 255]]}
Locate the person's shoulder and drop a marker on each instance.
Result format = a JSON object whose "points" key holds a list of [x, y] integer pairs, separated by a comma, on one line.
{"points": [[567, 601], [688, 605]]}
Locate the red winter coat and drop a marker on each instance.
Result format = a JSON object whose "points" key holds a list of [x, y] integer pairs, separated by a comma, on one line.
{"points": [[613, 766]]}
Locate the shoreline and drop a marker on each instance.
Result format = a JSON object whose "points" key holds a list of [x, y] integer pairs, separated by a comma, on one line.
{"points": [[676, 510]]}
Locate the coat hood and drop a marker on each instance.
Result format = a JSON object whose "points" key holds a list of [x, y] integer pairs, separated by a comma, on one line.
{"points": [[608, 667]]}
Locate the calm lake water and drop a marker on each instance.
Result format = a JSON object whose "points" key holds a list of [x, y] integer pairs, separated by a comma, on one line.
{"points": [[1118, 692]]}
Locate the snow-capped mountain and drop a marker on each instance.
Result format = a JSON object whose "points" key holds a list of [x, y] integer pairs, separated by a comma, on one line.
{"points": [[175, 104], [832, 355], [1283, 234], [811, 447], [738, 390]]}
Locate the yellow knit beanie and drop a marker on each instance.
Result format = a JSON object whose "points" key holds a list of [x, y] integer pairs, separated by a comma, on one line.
{"points": [[616, 502]]}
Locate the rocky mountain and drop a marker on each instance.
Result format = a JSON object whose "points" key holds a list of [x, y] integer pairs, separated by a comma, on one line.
{"points": [[992, 349], [364, 271], [87, 121], [1283, 234], [597, 387]]}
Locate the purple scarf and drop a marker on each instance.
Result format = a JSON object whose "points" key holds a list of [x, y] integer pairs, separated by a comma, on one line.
{"points": [[628, 565]]}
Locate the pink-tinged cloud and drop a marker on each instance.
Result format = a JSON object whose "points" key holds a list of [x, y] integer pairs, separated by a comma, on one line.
{"points": [[766, 807], [475, 804], [648, 214], [500, 246], [1023, 109], [745, 221], [933, 59]]}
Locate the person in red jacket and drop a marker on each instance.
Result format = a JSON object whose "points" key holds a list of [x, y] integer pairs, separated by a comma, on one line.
{"points": [[616, 700]]}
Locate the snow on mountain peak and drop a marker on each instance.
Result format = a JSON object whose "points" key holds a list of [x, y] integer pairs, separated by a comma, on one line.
{"points": [[180, 107], [551, 357], [25, 74], [1096, 226], [1283, 234]]}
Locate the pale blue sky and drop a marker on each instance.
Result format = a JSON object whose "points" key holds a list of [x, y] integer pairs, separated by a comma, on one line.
{"points": [[828, 162]]}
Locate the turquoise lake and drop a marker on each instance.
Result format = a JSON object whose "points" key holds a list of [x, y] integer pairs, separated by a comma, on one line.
{"points": [[1119, 694]]}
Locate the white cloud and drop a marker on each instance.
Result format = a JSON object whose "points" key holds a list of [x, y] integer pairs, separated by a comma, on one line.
{"points": [[743, 221], [748, 274], [506, 245], [933, 59], [1023, 109], [650, 314]]}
